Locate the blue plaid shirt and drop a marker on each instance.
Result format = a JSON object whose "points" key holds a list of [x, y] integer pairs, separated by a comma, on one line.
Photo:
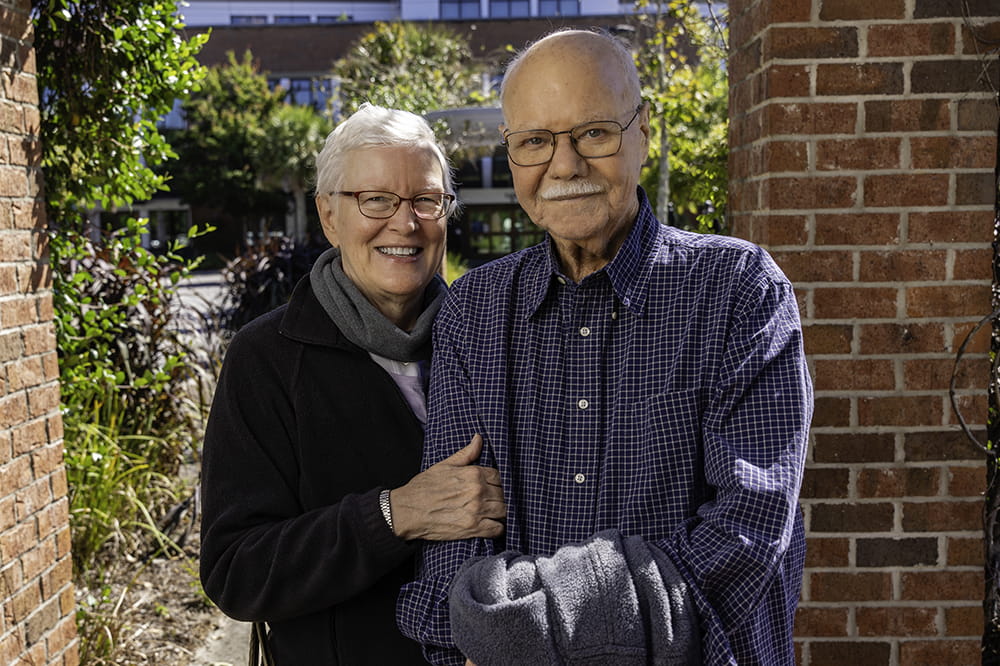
{"points": [[665, 395]]}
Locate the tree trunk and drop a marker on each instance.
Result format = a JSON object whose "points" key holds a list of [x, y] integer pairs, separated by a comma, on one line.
{"points": [[663, 187]]}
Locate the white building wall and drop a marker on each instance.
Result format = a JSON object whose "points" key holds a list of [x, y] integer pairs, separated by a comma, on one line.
{"points": [[603, 7], [219, 12], [420, 10]]}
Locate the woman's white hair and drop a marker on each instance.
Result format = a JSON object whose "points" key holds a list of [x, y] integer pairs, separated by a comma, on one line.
{"points": [[374, 126]]}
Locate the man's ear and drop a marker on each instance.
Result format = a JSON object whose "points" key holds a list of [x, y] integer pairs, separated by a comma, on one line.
{"points": [[643, 120], [327, 218]]}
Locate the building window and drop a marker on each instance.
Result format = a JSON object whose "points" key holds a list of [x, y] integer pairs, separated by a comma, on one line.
{"points": [[174, 120], [291, 19], [245, 19], [306, 92], [459, 9], [340, 18], [509, 8], [558, 7], [490, 231]]}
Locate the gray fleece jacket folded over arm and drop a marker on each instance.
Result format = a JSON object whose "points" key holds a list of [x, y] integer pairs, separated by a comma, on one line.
{"points": [[610, 600]]}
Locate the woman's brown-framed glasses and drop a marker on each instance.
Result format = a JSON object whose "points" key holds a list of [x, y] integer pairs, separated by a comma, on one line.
{"points": [[601, 138], [382, 205]]}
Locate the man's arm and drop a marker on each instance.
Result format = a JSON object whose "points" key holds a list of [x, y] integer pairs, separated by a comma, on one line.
{"points": [[610, 600], [743, 550], [422, 609]]}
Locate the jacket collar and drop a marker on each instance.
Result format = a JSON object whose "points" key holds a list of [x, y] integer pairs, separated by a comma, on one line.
{"points": [[306, 321]]}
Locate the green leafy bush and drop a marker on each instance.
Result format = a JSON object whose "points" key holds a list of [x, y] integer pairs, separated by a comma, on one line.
{"points": [[114, 492], [108, 71], [131, 413], [455, 267], [121, 353]]}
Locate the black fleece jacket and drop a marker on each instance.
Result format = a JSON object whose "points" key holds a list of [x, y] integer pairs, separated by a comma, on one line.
{"points": [[304, 432]]}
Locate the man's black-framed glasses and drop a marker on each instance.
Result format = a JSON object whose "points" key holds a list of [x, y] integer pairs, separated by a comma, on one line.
{"points": [[381, 205], [601, 138]]}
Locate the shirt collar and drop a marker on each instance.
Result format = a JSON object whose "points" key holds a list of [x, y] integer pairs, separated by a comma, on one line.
{"points": [[628, 272]]}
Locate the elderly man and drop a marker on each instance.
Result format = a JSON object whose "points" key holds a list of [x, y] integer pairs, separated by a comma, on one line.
{"points": [[642, 391]]}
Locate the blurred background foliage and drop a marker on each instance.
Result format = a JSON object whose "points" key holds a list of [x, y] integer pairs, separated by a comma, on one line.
{"points": [[417, 68], [682, 66]]}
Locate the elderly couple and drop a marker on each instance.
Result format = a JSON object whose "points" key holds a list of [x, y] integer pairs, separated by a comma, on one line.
{"points": [[612, 441]]}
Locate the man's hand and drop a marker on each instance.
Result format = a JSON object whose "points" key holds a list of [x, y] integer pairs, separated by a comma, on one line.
{"points": [[453, 499]]}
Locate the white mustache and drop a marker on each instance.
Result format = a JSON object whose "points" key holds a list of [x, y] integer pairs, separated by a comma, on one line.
{"points": [[574, 188]]}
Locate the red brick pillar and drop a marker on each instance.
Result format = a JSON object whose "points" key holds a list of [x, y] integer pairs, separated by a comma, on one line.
{"points": [[36, 595], [863, 143]]}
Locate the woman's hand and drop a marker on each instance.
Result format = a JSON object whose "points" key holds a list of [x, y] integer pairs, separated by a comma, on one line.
{"points": [[453, 499]]}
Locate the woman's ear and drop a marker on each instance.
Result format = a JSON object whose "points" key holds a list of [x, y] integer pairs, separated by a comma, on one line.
{"points": [[327, 217]]}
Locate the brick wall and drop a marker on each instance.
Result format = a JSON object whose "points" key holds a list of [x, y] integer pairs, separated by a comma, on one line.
{"points": [[863, 144], [36, 595]]}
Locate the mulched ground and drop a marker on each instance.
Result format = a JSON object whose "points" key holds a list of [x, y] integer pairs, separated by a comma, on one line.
{"points": [[152, 608]]}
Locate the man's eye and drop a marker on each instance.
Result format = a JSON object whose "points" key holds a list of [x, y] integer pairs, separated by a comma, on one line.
{"points": [[532, 141], [594, 134], [377, 199]]}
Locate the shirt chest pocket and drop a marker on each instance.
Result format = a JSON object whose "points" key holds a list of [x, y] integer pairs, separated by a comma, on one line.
{"points": [[657, 453]]}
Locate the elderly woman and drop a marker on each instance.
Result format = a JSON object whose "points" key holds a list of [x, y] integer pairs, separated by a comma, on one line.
{"points": [[311, 497]]}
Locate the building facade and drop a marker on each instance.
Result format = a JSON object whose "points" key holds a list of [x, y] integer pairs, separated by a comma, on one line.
{"points": [[298, 12]]}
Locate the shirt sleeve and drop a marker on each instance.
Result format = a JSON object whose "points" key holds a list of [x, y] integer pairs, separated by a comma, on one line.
{"points": [[422, 610], [747, 542], [263, 556]]}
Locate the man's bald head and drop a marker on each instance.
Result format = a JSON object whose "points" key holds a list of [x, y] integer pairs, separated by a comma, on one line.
{"points": [[604, 60]]}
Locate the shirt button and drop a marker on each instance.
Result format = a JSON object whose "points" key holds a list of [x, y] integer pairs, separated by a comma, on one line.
{"points": [[579, 478], [561, 280], [584, 331], [583, 403]]}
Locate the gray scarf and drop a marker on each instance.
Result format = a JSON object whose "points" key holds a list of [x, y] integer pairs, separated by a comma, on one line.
{"points": [[362, 323]]}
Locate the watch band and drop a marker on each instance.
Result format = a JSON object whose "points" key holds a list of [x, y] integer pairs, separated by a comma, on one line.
{"points": [[383, 502]]}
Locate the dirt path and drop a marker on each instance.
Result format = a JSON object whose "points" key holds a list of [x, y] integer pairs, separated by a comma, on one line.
{"points": [[225, 645]]}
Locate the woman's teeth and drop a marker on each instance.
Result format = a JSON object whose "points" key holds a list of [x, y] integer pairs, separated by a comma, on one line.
{"points": [[399, 251]]}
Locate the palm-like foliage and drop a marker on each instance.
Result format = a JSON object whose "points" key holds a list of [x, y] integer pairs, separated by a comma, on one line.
{"points": [[293, 136]]}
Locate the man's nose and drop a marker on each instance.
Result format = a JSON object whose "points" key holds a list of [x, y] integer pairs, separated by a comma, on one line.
{"points": [[565, 160]]}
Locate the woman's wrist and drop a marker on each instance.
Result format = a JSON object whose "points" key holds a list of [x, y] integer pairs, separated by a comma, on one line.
{"points": [[385, 504]]}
